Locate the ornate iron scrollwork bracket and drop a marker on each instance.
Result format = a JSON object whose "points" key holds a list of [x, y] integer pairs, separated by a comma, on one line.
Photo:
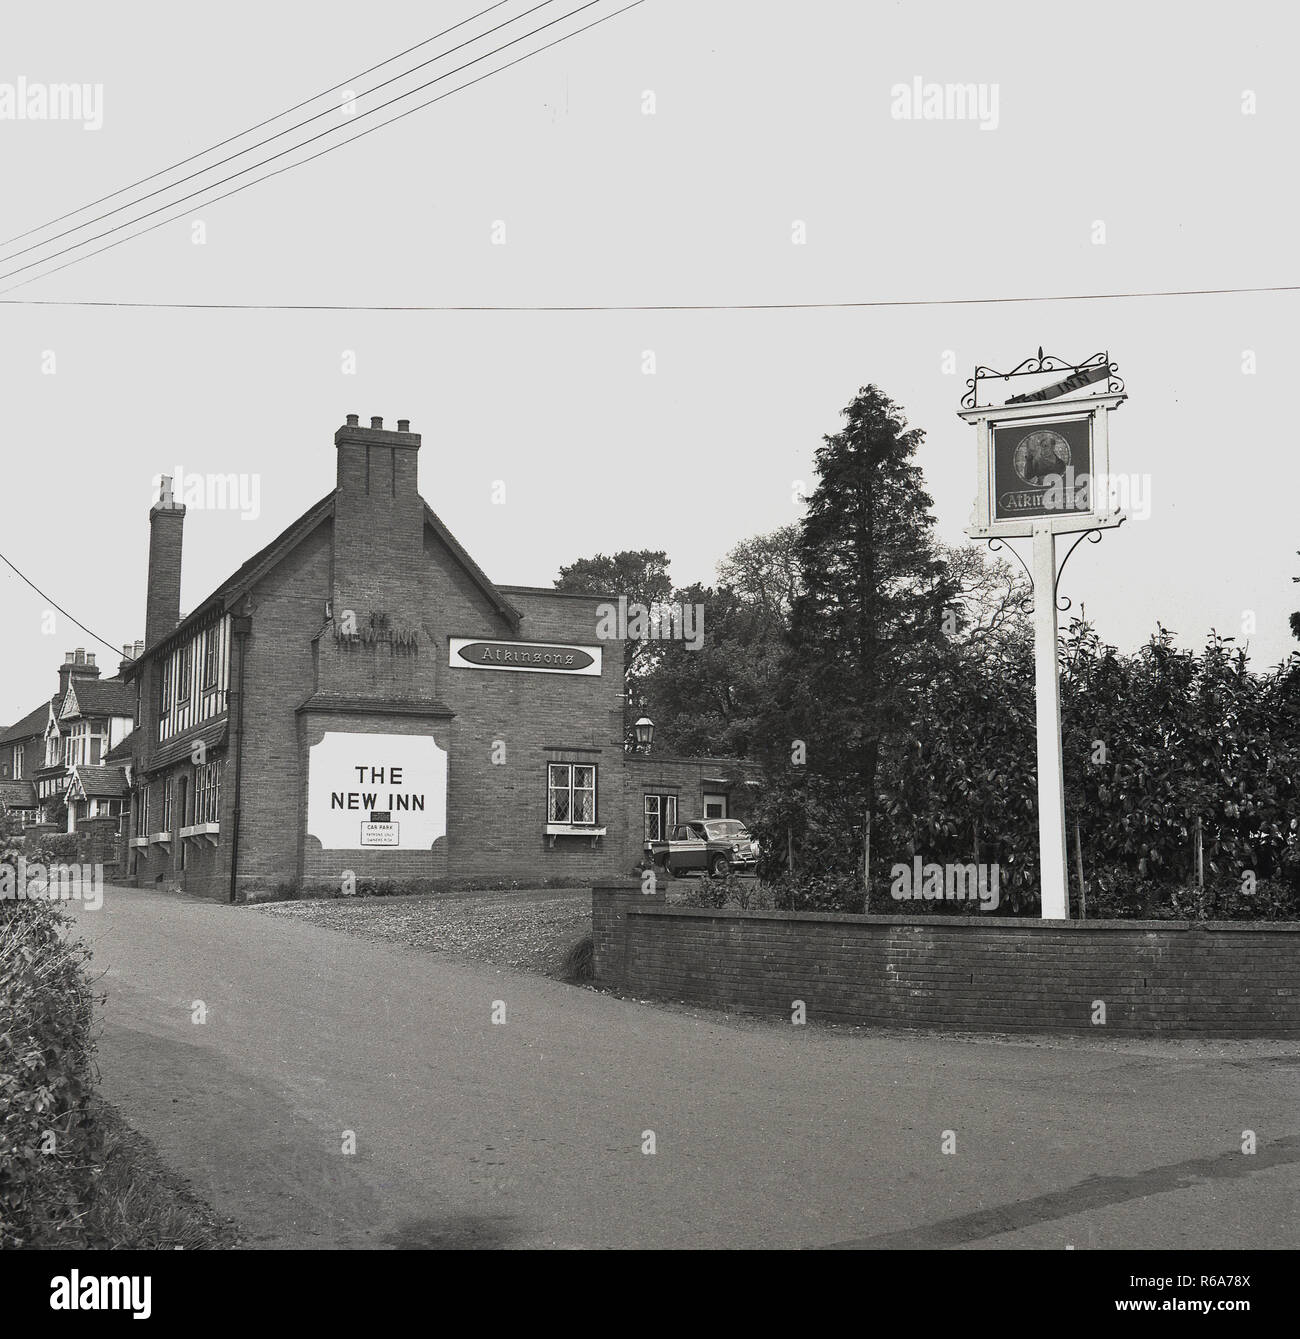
{"points": [[1045, 363], [995, 544], [1063, 602]]}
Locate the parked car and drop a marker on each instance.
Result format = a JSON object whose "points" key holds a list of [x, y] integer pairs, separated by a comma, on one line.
{"points": [[715, 845]]}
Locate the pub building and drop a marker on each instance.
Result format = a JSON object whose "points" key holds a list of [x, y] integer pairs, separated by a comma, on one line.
{"points": [[359, 700]]}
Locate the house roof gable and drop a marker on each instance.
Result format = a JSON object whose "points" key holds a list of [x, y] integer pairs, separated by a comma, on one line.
{"points": [[245, 577]]}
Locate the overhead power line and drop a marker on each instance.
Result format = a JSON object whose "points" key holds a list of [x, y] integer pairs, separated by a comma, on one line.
{"points": [[221, 144], [638, 306], [116, 650], [279, 134], [595, 23], [312, 139]]}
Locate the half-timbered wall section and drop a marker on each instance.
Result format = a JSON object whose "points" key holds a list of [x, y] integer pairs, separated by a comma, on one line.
{"points": [[194, 679]]}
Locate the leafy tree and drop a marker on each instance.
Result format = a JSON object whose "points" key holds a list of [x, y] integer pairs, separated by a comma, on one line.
{"points": [[641, 577], [710, 699], [867, 625]]}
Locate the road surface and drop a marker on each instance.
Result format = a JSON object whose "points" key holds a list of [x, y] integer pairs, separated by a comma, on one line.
{"points": [[530, 1132]]}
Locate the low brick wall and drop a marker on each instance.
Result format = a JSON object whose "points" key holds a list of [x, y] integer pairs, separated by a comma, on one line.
{"points": [[1175, 978]]}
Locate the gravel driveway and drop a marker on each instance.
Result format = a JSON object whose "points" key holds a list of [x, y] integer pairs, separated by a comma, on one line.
{"points": [[528, 930]]}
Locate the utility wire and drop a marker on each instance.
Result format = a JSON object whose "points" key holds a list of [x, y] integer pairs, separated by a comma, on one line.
{"points": [[221, 144], [279, 134], [630, 307], [310, 140], [595, 23], [117, 650]]}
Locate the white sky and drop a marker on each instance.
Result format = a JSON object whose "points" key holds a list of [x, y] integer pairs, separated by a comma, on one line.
{"points": [[765, 114]]}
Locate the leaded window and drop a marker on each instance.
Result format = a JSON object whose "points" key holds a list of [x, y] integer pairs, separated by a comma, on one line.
{"points": [[570, 793]]}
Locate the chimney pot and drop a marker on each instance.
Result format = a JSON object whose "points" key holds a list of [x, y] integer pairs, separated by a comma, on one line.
{"points": [[376, 422], [68, 657], [139, 650], [353, 420], [403, 425], [80, 657], [90, 657]]}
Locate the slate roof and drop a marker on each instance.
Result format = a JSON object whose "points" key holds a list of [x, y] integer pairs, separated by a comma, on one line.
{"points": [[101, 783], [122, 752], [31, 725], [104, 697], [212, 733], [18, 795]]}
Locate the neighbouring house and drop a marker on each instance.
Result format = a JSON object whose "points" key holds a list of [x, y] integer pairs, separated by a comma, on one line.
{"points": [[22, 748], [77, 728], [360, 701]]}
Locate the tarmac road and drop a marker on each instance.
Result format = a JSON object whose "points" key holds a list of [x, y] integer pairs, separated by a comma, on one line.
{"points": [[530, 1133]]}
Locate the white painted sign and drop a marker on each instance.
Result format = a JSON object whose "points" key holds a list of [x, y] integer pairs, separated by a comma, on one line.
{"points": [[367, 791], [522, 657]]}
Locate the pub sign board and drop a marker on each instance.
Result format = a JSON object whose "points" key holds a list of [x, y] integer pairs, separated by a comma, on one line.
{"points": [[371, 790], [523, 657], [1042, 468]]}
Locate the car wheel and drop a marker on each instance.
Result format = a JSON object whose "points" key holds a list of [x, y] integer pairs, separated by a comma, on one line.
{"points": [[719, 866]]}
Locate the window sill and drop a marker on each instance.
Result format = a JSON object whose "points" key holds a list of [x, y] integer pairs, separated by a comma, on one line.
{"points": [[554, 830], [209, 830], [161, 838], [139, 841]]}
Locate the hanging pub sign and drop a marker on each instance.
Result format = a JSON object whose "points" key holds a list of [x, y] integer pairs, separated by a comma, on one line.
{"points": [[1042, 468], [1043, 454]]}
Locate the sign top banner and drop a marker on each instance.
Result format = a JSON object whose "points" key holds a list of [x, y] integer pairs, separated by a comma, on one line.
{"points": [[1076, 381], [988, 387]]}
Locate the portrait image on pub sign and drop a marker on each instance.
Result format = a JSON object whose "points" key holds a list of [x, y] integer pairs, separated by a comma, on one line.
{"points": [[1042, 468]]}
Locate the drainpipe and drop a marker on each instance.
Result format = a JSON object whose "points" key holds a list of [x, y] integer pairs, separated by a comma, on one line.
{"points": [[240, 626]]}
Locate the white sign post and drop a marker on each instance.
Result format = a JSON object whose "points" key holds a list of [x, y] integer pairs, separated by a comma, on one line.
{"points": [[1043, 469], [1053, 876]]}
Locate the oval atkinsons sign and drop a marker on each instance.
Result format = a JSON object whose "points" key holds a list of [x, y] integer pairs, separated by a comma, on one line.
{"points": [[527, 657]]}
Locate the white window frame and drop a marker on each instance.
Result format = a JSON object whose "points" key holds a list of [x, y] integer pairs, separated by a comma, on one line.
{"points": [[207, 793], [665, 805], [570, 789]]}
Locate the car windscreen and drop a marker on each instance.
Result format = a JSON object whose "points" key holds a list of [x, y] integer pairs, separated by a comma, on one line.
{"points": [[726, 829]]}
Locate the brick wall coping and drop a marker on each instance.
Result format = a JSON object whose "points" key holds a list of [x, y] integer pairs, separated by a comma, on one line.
{"points": [[1007, 923]]}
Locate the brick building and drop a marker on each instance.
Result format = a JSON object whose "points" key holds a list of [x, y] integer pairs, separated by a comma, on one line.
{"points": [[360, 700]]}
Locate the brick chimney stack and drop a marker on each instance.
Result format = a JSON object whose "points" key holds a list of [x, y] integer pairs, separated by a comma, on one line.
{"points": [[378, 515], [166, 527], [76, 665]]}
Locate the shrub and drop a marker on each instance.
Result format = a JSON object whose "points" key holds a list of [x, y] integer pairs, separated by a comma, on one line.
{"points": [[49, 1141], [579, 962], [52, 847], [730, 890]]}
